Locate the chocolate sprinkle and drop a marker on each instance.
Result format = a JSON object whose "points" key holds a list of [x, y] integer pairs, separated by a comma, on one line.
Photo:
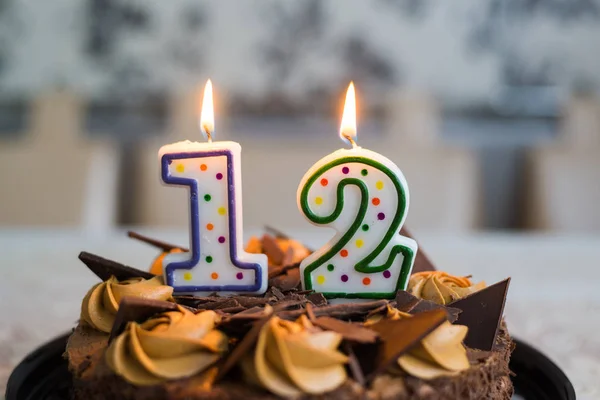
{"points": [[482, 313], [406, 302], [137, 309], [105, 268]]}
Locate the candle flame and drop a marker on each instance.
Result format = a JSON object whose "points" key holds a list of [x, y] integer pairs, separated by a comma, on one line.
{"points": [[348, 126], [207, 114]]}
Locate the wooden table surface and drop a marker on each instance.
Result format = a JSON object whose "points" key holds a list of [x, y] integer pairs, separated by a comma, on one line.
{"points": [[553, 301]]}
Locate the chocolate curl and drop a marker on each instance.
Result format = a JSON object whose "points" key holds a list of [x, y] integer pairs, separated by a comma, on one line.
{"points": [[164, 246], [104, 268]]}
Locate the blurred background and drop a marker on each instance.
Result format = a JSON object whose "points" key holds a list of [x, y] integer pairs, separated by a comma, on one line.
{"points": [[490, 108]]}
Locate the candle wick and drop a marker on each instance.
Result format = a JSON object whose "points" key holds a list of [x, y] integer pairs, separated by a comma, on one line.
{"points": [[208, 134], [352, 142]]}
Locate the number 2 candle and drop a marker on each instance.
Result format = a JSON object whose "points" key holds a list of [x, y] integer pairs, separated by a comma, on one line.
{"points": [[211, 172], [364, 197]]}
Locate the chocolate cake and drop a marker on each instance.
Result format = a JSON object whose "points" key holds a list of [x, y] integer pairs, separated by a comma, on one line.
{"points": [[443, 338]]}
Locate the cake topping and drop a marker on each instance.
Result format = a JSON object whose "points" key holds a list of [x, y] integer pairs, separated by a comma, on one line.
{"points": [[397, 336], [101, 302], [441, 287], [408, 303], [292, 358], [482, 313], [138, 309], [439, 353], [173, 345], [105, 268]]}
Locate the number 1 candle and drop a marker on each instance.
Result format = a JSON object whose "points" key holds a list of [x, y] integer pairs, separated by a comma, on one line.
{"points": [[211, 171], [364, 197]]}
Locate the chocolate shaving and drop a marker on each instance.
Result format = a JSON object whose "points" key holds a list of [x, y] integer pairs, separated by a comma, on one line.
{"points": [[290, 280], [482, 313], [397, 337], [272, 250], [406, 302], [164, 246], [348, 330], [105, 268], [222, 304], [317, 299], [422, 262], [137, 309], [243, 347], [275, 270], [346, 311]]}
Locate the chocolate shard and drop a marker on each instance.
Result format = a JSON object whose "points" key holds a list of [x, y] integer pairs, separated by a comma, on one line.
{"points": [[396, 338], [348, 330], [482, 313], [317, 299], [164, 246], [243, 347], [288, 281], [422, 262], [354, 365], [105, 268], [406, 302], [272, 250], [137, 309]]}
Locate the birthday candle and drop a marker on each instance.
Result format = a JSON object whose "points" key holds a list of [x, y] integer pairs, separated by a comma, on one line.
{"points": [[364, 197], [211, 171]]}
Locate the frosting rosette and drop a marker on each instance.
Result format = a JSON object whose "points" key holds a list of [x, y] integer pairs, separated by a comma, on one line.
{"points": [[101, 302], [173, 345], [441, 353], [292, 358], [440, 287]]}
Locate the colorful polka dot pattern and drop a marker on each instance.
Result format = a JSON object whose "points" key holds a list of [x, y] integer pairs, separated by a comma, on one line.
{"points": [[211, 175], [382, 203]]}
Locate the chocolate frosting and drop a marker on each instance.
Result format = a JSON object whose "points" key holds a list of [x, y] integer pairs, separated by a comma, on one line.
{"points": [[440, 287], [101, 302], [292, 358], [173, 345]]}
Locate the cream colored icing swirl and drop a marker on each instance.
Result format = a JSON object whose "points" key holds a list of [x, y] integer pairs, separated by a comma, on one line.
{"points": [[292, 358], [173, 345], [101, 302], [441, 353], [441, 287]]}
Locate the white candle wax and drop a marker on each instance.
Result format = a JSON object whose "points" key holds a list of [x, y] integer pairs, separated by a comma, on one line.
{"points": [[364, 197], [216, 261]]}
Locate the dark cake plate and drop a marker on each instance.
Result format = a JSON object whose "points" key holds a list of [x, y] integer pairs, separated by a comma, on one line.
{"points": [[43, 375]]}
